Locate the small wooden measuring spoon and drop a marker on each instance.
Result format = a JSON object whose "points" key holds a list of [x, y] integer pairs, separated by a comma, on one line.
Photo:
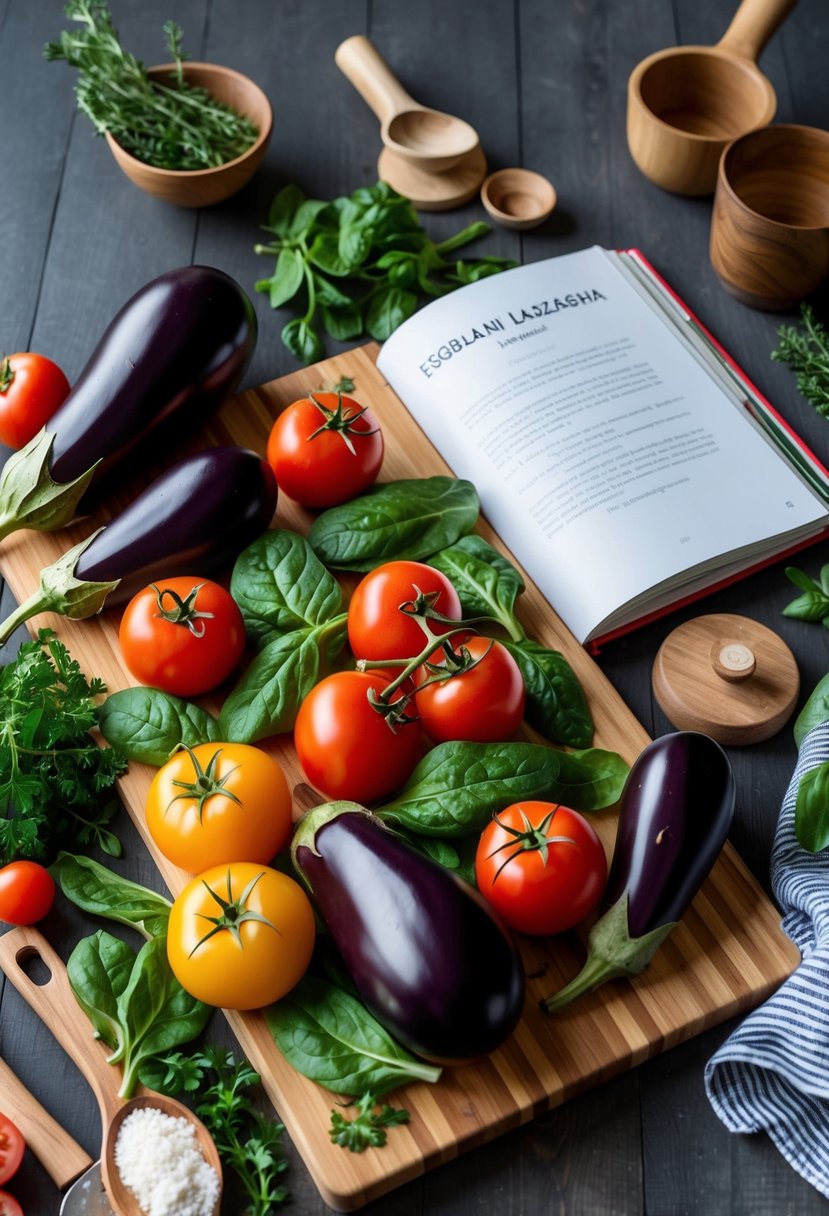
{"points": [[56, 1006], [430, 139]]}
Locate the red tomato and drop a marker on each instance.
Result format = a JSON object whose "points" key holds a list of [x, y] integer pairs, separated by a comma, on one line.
{"points": [[31, 389], [346, 748], [183, 635], [9, 1205], [484, 704], [12, 1146], [325, 449], [27, 892], [541, 866], [377, 629]]}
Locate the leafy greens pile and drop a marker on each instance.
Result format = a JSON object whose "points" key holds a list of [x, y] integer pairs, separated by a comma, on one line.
{"points": [[54, 778], [806, 350], [358, 265], [171, 126]]}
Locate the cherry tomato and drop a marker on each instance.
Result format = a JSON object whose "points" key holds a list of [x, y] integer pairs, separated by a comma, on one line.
{"points": [[325, 449], [27, 892], [9, 1205], [484, 704], [12, 1146], [183, 635], [31, 389], [541, 866], [264, 941], [346, 748], [377, 629], [219, 802]]}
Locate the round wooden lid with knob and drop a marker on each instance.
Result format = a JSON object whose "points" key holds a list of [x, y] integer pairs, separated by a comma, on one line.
{"points": [[728, 676]]}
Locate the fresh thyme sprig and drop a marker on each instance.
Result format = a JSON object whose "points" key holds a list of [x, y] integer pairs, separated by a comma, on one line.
{"points": [[171, 126]]}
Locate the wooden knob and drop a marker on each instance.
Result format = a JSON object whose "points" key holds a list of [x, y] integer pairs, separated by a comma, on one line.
{"points": [[733, 661]]}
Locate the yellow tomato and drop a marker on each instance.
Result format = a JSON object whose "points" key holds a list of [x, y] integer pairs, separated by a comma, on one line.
{"points": [[240, 936], [219, 802]]}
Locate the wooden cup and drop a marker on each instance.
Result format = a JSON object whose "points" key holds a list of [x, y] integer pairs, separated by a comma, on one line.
{"points": [[686, 103], [770, 222]]}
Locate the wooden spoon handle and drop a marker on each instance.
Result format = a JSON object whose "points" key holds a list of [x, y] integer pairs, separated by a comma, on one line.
{"points": [[63, 1159], [371, 76], [56, 1006], [752, 25]]}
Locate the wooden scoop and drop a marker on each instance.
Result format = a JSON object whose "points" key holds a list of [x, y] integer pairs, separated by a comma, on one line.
{"points": [[430, 139], [56, 1006]]}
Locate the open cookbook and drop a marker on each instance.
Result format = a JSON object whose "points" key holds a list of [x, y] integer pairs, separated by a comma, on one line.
{"points": [[621, 455]]}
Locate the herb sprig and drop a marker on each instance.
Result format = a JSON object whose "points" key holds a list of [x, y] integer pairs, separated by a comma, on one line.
{"points": [[358, 265], [367, 1128], [806, 350], [813, 602], [54, 778], [170, 126]]}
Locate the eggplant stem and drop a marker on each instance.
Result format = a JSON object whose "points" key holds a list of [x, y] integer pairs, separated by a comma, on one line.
{"points": [[37, 602], [595, 971]]}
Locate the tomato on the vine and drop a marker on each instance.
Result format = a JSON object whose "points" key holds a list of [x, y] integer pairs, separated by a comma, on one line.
{"points": [[325, 449], [542, 866], [219, 802], [347, 748], [183, 635], [240, 936], [378, 629], [31, 389], [9, 1205], [27, 892], [482, 704], [12, 1146]]}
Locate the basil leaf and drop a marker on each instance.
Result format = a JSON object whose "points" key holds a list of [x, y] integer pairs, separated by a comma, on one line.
{"points": [[399, 519], [330, 1037], [388, 309], [486, 582], [95, 889], [329, 295], [280, 585], [342, 323], [283, 209], [267, 698], [811, 811], [556, 704], [303, 341], [304, 217], [287, 278], [353, 245], [456, 788], [814, 712], [148, 725], [99, 969], [325, 253]]}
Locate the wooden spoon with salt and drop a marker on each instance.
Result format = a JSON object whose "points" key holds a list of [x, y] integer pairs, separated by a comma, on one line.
{"points": [[55, 1004]]}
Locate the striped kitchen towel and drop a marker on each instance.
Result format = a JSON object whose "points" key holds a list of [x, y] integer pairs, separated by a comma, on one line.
{"points": [[772, 1074]]}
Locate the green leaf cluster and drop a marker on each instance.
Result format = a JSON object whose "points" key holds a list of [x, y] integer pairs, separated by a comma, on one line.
{"points": [[813, 602], [358, 265], [367, 1128], [805, 349], [171, 126], [55, 781]]}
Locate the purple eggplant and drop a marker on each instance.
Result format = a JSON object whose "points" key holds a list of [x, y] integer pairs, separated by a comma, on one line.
{"points": [[674, 816], [193, 519], [427, 955], [176, 349]]}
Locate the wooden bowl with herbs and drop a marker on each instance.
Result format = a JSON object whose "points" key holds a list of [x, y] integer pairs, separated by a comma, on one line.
{"points": [[239, 146]]}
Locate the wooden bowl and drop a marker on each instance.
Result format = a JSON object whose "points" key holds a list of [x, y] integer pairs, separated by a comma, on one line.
{"points": [[518, 198], [204, 187]]}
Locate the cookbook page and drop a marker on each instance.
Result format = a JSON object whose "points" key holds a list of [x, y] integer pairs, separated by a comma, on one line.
{"points": [[604, 453]]}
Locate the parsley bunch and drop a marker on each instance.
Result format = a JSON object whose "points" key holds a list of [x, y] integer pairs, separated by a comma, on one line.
{"points": [[53, 775], [806, 350], [248, 1142], [367, 1128], [171, 126], [358, 265]]}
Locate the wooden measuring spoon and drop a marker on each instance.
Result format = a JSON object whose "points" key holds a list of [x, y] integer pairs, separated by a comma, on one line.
{"points": [[56, 1006], [430, 139]]}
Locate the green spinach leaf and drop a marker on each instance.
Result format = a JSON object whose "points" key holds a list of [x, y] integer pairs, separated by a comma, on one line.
{"points": [[148, 725], [99, 969], [556, 704], [814, 712], [330, 1037], [486, 582], [811, 812], [95, 889], [398, 519], [280, 585]]}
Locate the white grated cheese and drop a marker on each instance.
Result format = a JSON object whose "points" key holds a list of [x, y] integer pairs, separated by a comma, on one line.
{"points": [[159, 1160]]}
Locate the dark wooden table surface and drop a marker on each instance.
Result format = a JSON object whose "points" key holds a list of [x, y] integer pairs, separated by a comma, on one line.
{"points": [[544, 83]]}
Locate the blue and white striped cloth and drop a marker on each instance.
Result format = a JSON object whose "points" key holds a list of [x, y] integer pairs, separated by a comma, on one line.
{"points": [[772, 1074]]}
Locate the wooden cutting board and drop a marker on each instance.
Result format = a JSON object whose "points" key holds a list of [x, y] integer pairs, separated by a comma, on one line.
{"points": [[727, 955]]}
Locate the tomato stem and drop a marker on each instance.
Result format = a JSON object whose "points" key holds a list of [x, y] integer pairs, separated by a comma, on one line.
{"points": [[531, 839], [234, 913], [183, 611], [339, 420], [7, 374], [206, 783]]}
